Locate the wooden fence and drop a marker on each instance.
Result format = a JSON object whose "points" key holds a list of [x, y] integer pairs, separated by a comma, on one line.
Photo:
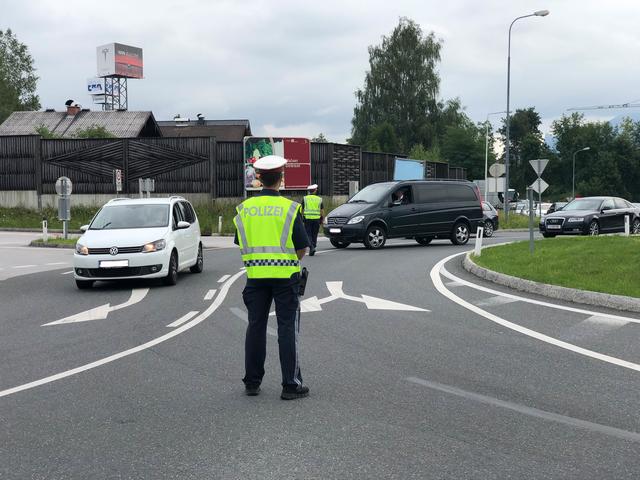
{"points": [[178, 165]]}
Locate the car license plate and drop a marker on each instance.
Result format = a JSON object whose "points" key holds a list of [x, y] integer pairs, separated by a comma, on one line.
{"points": [[334, 230], [554, 227], [114, 263]]}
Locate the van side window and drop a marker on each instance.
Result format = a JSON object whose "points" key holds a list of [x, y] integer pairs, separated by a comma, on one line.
{"points": [[431, 193], [460, 193], [188, 212], [178, 216], [403, 195]]}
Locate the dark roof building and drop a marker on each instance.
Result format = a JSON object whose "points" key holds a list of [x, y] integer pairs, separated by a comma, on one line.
{"points": [[66, 124], [222, 130]]}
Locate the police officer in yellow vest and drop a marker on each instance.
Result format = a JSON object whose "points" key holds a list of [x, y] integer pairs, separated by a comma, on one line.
{"points": [[272, 240], [313, 214]]}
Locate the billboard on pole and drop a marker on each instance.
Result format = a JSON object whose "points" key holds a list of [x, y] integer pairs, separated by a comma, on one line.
{"points": [[116, 59], [297, 151]]}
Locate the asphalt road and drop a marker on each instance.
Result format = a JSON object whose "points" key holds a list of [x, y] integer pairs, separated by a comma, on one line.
{"points": [[453, 380]]}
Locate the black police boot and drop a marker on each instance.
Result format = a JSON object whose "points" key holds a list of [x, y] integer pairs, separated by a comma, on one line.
{"points": [[252, 390], [312, 252], [291, 393]]}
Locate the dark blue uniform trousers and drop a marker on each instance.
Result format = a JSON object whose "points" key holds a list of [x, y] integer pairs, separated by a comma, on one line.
{"points": [[258, 296], [312, 227]]}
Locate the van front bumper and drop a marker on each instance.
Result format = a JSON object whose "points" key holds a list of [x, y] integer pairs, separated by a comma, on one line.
{"points": [[346, 233]]}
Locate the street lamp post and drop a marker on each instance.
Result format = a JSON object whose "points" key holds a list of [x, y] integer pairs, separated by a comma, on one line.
{"points": [[573, 181], [486, 153], [539, 13]]}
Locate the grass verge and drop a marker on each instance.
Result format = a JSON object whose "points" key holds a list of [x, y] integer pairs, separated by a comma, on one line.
{"points": [[208, 214], [516, 221], [55, 242], [606, 264]]}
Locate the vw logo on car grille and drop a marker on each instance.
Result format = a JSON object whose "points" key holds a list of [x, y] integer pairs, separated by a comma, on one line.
{"points": [[113, 250]]}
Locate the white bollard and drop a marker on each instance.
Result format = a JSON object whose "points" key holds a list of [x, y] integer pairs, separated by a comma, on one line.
{"points": [[626, 225], [220, 225], [45, 231], [478, 249]]}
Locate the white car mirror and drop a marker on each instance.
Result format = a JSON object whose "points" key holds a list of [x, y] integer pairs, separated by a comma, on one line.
{"points": [[84, 228], [182, 225]]}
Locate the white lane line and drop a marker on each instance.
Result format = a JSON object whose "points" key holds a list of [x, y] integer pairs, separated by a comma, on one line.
{"points": [[466, 283], [495, 301], [437, 282], [223, 278], [242, 315], [183, 328], [183, 319], [210, 294], [24, 266], [67, 273], [57, 263], [454, 284], [533, 412]]}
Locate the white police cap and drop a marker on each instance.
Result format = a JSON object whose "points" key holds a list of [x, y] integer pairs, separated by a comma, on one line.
{"points": [[313, 187], [270, 162]]}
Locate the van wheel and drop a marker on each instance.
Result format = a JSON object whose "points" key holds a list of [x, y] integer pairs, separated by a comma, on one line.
{"points": [[172, 276], [460, 233], [199, 266], [424, 240], [375, 237], [84, 284], [339, 243]]}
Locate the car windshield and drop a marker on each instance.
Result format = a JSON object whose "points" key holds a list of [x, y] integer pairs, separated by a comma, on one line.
{"points": [[372, 193], [583, 204], [131, 216]]}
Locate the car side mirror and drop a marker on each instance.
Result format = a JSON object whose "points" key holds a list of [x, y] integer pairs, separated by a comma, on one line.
{"points": [[182, 225], [84, 228], [395, 203]]}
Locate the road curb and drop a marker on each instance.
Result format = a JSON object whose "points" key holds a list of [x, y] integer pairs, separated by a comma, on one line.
{"points": [[617, 302]]}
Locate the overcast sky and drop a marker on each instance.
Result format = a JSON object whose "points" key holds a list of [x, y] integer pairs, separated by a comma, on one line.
{"points": [[291, 67]]}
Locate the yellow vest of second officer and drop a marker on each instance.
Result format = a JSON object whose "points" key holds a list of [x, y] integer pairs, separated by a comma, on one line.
{"points": [[312, 204]]}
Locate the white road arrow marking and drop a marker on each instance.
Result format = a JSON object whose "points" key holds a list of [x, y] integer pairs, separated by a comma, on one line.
{"points": [[101, 312], [314, 304]]}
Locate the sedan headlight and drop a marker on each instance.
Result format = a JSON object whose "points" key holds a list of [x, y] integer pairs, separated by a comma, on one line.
{"points": [[81, 249], [575, 219], [154, 246], [355, 220]]}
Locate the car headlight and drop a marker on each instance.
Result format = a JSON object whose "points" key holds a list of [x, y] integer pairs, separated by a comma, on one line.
{"points": [[575, 219], [81, 249], [355, 220], [154, 246]]}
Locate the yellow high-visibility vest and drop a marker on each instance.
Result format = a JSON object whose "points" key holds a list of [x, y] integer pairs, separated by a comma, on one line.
{"points": [[265, 235], [312, 207]]}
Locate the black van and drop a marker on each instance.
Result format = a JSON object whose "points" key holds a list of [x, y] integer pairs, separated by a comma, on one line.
{"points": [[419, 209]]}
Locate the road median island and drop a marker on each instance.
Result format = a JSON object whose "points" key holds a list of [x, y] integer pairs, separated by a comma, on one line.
{"points": [[600, 271]]}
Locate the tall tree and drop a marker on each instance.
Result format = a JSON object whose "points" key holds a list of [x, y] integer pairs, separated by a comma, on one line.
{"points": [[17, 76], [525, 143], [463, 145], [400, 90]]}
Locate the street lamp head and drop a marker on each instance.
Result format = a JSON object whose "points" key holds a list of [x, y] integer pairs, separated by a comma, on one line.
{"points": [[585, 149], [541, 13]]}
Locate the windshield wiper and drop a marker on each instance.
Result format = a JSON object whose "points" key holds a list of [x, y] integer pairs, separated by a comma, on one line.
{"points": [[357, 201]]}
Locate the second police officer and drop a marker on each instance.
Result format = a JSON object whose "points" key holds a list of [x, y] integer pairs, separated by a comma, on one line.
{"points": [[313, 214], [272, 240]]}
